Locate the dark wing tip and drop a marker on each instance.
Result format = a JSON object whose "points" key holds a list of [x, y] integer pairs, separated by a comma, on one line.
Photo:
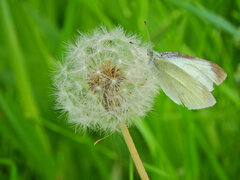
{"points": [[220, 73]]}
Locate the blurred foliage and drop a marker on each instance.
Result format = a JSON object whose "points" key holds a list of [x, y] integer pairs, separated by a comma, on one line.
{"points": [[174, 143]]}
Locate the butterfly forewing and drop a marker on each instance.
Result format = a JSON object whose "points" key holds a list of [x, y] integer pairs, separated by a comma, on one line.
{"points": [[205, 71], [188, 80]]}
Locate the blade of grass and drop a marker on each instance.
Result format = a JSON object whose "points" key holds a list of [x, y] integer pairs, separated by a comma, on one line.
{"points": [[70, 15], [155, 148], [29, 106], [191, 159], [207, 15], [86, 140], [51, 9], [47, 29], [157, 171], [211, 156], [17, 61], [231, 94], [125, 8], [131, 169], [31, 146], [43, 51], [13, 168], [93, 6]]}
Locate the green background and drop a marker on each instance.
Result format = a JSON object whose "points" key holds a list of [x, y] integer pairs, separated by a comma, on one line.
{"points": [[173, 142]]}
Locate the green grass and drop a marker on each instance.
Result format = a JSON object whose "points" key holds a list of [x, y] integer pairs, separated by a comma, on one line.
{"points": [[174, 143]]}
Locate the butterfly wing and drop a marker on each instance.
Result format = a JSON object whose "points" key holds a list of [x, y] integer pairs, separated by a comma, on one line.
{"points": [[204, 71], [184, 85]]}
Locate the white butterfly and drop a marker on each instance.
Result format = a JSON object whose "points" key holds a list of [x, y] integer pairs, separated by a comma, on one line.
{"points": [[187, 80]]}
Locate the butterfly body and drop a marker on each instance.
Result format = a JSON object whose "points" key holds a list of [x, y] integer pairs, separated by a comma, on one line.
{"points": [[186, 79]]}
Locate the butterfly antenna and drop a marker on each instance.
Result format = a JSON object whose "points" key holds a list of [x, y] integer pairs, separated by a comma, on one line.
{"points": [[145, 22]]}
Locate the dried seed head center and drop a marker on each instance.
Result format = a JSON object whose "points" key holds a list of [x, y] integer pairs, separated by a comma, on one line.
{"points": [[106, 80]]}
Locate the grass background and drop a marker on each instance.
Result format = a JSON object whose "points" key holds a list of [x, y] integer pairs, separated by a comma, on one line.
{"points": [[174, 143]]}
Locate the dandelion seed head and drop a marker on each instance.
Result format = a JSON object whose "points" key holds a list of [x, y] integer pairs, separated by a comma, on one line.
{"points": [[104, 79]]}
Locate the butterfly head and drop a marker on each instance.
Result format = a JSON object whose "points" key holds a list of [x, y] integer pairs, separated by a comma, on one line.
{"points": [[150, 54]]}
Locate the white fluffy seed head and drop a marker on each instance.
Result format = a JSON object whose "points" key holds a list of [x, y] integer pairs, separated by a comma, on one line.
{"points": [[105, 79]]}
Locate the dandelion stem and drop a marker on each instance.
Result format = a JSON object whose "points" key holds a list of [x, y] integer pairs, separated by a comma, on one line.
{"points": [[133, 151]]}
